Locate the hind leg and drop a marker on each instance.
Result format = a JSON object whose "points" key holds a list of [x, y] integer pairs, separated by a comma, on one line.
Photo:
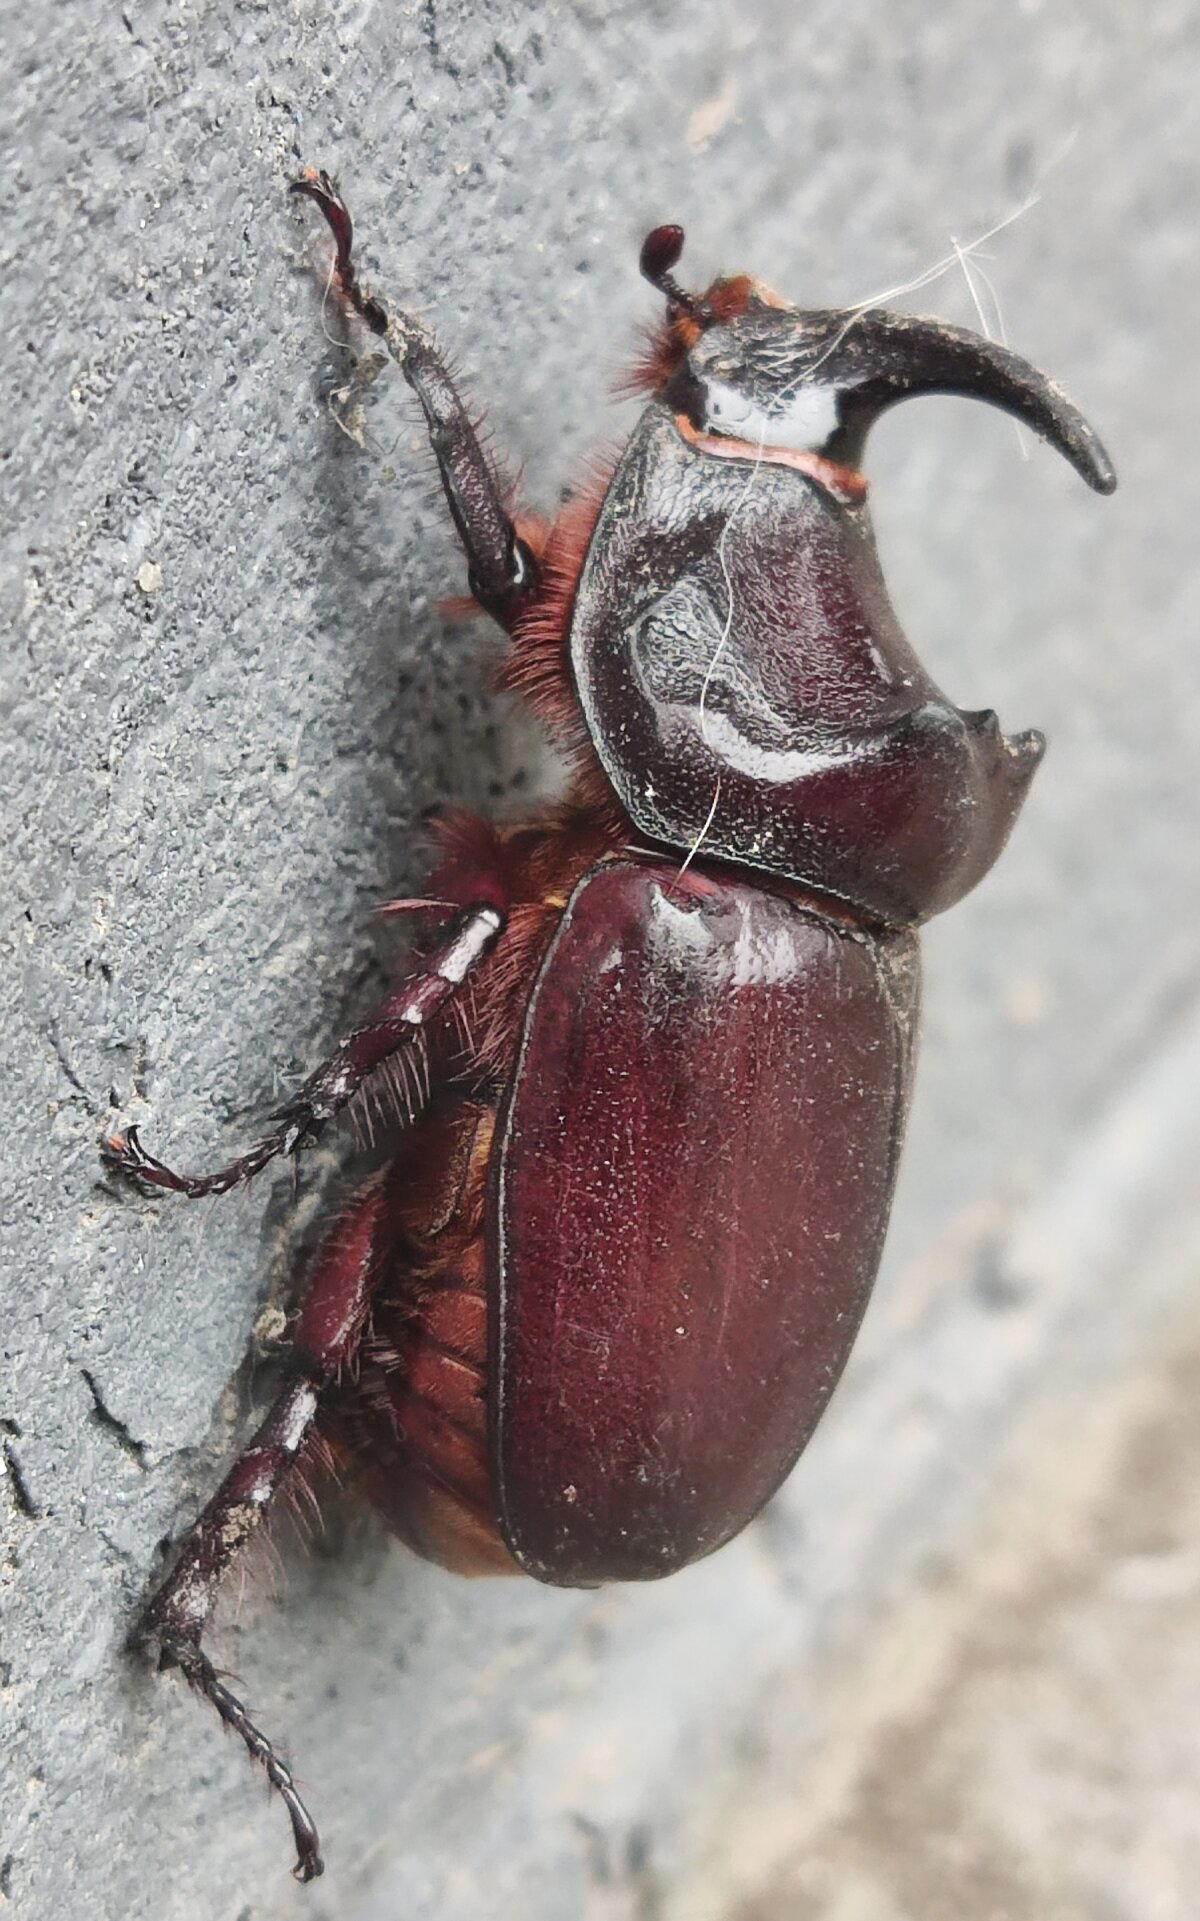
{"points": [[326, 1340]]}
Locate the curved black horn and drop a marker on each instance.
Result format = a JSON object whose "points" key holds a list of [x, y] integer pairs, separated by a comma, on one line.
{"points": [[877, 359]]}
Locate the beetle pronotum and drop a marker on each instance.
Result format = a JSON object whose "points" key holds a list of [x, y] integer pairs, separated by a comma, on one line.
{"points": [[584, 1321]]}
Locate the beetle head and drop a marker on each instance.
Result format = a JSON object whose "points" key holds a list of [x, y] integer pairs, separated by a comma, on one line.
{"points": [[745, 365]]}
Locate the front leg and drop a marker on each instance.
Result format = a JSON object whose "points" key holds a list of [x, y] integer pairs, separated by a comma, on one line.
{"points": [[396, 1030], [501, 568]]}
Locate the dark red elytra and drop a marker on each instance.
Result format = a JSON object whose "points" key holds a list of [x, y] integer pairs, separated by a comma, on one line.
{"points": [[659, 1369], [650, 1069]]}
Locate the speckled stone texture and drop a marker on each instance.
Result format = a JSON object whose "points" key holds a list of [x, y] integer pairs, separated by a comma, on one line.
{"points": [[229, 701]]}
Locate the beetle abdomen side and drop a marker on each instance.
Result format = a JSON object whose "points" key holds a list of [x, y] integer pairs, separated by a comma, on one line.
{"points": [[691, 1194], [416, 1417]]}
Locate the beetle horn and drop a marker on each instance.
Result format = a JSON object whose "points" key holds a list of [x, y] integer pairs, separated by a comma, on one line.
{"points": [[660, 251], [880, 358]]}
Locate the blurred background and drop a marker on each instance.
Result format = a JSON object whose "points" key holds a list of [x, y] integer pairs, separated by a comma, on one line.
{"points": [[952, 1673]]}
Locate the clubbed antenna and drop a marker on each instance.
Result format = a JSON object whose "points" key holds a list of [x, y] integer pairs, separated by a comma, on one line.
{"points": [[660, 251]]}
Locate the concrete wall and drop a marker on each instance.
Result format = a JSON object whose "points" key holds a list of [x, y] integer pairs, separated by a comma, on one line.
{"points": [[229, 700]]}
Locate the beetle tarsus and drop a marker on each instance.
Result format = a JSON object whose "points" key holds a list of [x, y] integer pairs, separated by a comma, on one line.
{"points": [[199, 1672], [125, 1155], [315, 184]]}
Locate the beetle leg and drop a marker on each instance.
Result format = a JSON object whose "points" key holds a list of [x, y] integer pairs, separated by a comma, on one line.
{"points": [[502, 570], [200, 1674], [178, 1613], [397, 1026], [326, 1338]]}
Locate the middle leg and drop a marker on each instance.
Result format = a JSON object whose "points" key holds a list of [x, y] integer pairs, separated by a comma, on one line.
{"points": [[396, 1028]]}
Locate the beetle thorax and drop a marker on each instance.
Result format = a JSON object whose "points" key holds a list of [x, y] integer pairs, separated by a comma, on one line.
{"points": [[747, 686]]}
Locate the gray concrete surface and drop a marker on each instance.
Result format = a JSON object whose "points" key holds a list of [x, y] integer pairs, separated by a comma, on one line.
{"points": [[1021, 1741], [229, 700]]}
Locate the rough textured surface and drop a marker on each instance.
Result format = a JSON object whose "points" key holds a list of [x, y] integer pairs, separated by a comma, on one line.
{"points": [[1021, 1742], [228, 701]]}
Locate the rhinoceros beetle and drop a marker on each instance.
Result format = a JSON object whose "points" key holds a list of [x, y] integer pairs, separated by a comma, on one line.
{"points": [[654, 1063]]}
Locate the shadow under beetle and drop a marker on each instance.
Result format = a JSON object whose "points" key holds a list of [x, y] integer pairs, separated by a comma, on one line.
{"points": [[654, 1065]]}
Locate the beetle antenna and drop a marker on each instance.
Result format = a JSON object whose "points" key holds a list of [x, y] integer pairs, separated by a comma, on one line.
{"points": [[660, 251]]}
